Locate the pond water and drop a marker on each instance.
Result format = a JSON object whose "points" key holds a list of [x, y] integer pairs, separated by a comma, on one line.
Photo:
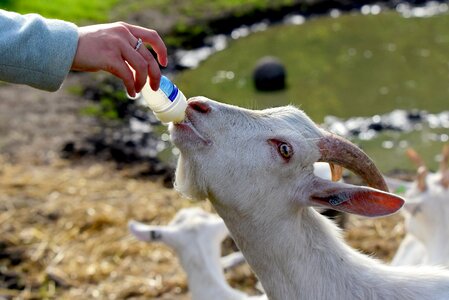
{"points": [[345, 65]]}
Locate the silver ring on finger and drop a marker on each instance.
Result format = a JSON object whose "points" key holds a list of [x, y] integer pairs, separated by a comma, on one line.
{"points": [[139, 43]]}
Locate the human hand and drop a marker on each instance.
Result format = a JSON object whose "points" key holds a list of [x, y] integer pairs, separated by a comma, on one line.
{"points": [[111, 47]]}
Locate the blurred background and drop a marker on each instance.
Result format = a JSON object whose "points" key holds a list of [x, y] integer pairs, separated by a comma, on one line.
{"points": [[77, 164]]}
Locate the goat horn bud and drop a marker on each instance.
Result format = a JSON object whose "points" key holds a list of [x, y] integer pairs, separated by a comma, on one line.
{"points": [[421, 178], [444, 159], [337, 150], [445, 180], [415, 158], [444, 167], [422, 169], [336, 171]]}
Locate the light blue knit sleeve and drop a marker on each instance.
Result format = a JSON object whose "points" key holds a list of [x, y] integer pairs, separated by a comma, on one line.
{"points": [[36, 51]]}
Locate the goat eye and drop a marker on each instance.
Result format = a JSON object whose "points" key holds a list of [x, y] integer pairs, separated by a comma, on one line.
{"points": [[285, 150]]}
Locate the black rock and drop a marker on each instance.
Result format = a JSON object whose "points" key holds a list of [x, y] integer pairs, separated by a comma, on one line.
{"points": [[269, 75], [68, 148], [377, 126], [415, 115]]}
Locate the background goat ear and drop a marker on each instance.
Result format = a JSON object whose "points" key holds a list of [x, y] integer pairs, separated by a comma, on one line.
{"points": [[363, 201], [146, 233], [412, 206]]}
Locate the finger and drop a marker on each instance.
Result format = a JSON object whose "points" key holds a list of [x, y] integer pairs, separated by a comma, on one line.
{"points": [[153, 68], [122, 71], [151, 37], [145, 53], [138, 63], [154, 73]]}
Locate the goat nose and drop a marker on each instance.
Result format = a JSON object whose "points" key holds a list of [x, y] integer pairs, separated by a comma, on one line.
{"points": [[199, 105]]}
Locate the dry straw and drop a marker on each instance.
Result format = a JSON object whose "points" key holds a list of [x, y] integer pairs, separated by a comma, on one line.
{"points": [[64, 235]]}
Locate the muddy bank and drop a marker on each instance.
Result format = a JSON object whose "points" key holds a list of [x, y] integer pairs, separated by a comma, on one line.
{"points": [[193, 33]]}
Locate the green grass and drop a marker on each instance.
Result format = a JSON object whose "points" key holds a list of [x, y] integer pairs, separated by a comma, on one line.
{"points": [[203, 9], [100, 10], [423, 141], [186, 19], [351, 66], [79, 11]]}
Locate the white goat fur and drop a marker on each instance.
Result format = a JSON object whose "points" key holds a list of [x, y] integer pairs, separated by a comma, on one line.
{"points": [[295, 252], [426, 220], [196, 237]]}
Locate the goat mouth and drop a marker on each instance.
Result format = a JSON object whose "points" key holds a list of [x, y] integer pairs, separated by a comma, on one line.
{"points": [[189, 124]]}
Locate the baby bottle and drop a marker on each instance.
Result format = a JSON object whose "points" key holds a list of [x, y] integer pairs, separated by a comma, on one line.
{"points": [[168, 103]]}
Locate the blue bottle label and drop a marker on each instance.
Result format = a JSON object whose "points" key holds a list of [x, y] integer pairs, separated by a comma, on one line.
{"points": [[168, 88], [173, 94]]}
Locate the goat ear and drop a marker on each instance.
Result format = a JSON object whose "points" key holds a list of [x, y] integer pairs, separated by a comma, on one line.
{"points": [[353, 199], [146, 233]]}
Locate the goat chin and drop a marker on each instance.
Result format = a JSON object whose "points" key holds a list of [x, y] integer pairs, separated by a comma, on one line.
{"points": [[187, 182]]}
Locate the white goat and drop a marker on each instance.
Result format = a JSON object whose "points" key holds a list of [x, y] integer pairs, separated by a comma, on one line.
{"points": [[196, 237], [426, 212], [256, 167]]}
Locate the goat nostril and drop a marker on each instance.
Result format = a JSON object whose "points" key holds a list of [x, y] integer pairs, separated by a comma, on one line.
{"points": [[200, 106]]}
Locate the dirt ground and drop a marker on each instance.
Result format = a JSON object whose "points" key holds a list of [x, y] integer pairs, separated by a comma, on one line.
{"points": [[63, 230]]}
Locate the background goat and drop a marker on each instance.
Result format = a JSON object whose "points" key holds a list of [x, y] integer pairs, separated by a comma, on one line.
{"points": [[426, 213], [196, 237]]}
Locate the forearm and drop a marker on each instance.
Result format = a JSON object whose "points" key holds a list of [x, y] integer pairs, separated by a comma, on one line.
{"points": [[36, 51]]}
